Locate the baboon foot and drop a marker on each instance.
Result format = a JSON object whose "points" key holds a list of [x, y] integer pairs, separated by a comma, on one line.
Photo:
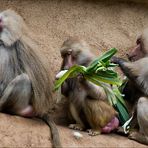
{"points": [[76, 127], [93, 132], [133, 135], [139, 137]]}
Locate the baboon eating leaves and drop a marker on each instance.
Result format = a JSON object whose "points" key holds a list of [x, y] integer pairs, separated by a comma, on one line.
{"points": [[88, 104]]}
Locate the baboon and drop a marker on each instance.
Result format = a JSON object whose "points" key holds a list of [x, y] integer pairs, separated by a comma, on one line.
{"points": [[25, 84], [137, 73], [87, 102]]}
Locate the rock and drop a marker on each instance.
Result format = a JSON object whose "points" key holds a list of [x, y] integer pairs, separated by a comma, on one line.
{"points": [[22, 132]]}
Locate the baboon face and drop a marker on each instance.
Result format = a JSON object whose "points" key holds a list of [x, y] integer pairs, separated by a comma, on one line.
{"points": [[141, 49], [11, 26], [75, 51]]}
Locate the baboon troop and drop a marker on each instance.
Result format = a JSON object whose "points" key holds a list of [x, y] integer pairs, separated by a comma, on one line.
{"points": [[26, 87]]}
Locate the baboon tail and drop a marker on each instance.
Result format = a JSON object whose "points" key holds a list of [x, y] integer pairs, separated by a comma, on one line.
{"points": [[54, 131]]}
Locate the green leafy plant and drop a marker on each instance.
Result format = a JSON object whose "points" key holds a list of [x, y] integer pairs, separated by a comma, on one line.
{"points": [[100, 72]]}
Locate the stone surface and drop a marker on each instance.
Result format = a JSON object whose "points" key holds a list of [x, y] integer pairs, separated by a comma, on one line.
{"points": [[20, 132]]}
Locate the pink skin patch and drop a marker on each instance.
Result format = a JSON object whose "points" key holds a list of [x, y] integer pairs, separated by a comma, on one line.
{"points": [[27, 112], [112, 125]]}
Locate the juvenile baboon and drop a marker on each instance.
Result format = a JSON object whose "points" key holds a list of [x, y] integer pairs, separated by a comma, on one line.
{"points": [[25, 84], [137, 72], [87, 102]]}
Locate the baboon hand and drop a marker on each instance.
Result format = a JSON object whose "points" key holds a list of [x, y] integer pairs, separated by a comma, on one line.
{"points": [[117, 60], [81, 78]]}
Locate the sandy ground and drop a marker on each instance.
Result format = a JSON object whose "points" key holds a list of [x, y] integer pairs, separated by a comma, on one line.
{"points": [[103, 24], [21, 132]]}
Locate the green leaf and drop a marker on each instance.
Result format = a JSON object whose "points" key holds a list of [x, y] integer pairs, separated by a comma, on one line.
{"points": [[104, 79], [92, 79], [107, 55], [107, 73], [119, 95], [112, 65], [70, 73], [100, 69], [104, 58], [123, 114], [117, 101]]}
